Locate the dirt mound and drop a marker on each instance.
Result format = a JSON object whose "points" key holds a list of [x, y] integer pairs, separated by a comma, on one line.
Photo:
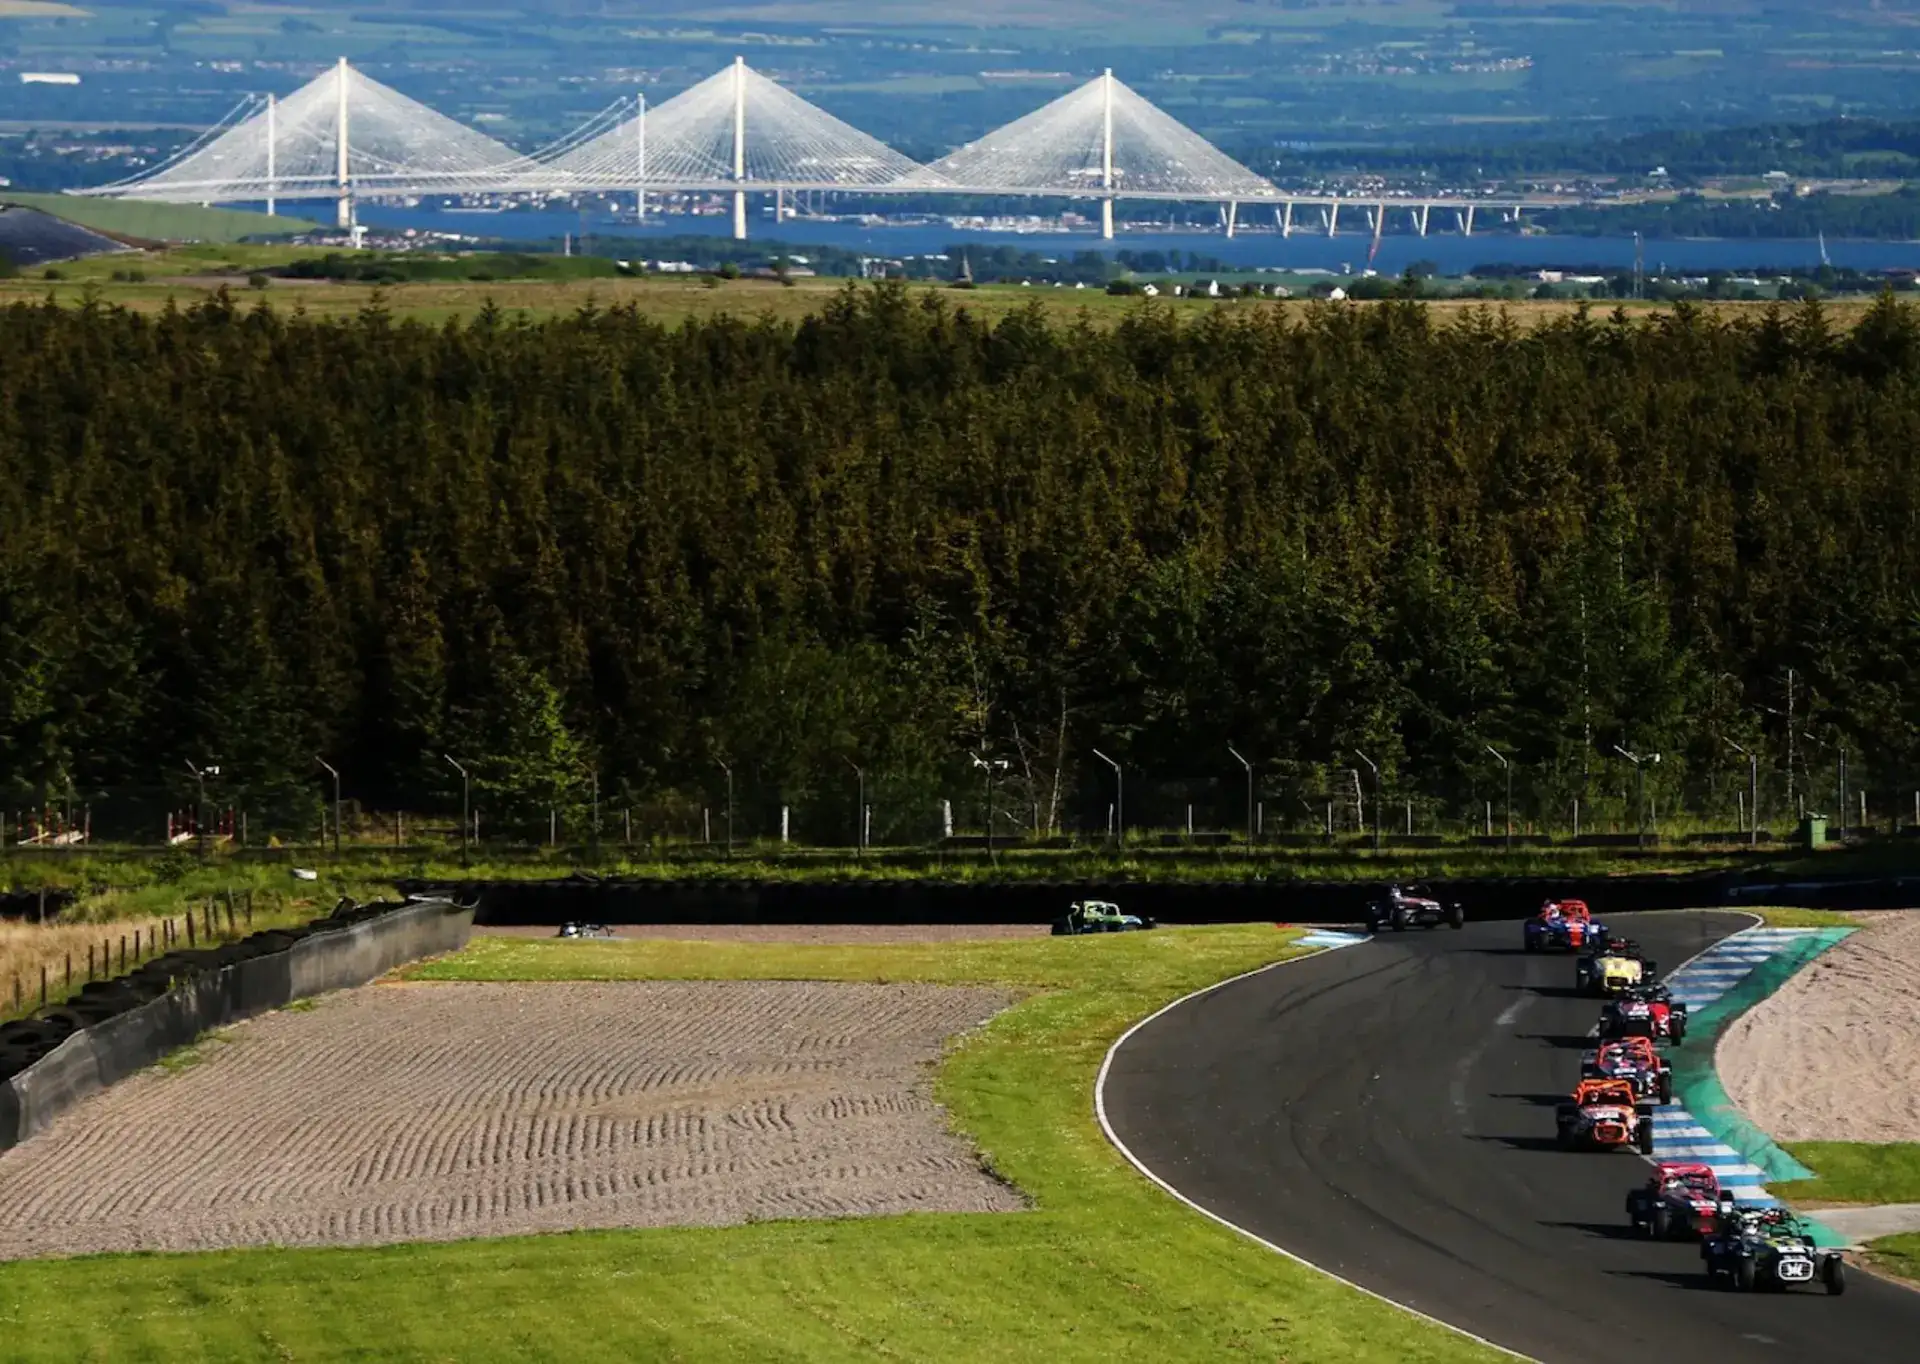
{"points": [[1834, 1055], [434, 1112]]}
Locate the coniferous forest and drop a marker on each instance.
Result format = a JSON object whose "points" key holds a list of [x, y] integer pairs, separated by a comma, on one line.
{"points": [[601, 549]]}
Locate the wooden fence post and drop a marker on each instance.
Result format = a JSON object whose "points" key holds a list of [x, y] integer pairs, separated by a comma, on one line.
{"points": [[69, 970], [43, 985], [189, 929]]}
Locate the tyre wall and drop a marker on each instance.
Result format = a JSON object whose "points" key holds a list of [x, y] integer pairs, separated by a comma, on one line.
{"points": [[589, 900], [331, 958]]}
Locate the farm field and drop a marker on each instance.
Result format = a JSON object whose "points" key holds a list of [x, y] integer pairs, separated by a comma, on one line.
{"points": [[1103, 1266], [182, 279]]}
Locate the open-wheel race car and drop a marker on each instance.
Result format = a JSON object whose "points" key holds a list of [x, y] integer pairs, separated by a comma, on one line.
{"points": [[1563, 926], [571, 929], [1644, 1011], [1615, 969], [1634, 1060], [1404, 907], [1604, 1114], [1679, 1199], [1751, 1248], [1097, 916]]}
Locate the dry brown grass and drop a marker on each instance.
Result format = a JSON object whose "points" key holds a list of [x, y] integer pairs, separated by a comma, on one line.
{"points": [[60, 948]]}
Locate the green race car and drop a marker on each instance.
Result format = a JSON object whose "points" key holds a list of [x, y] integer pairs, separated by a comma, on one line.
{"points": [[1097, 916]]}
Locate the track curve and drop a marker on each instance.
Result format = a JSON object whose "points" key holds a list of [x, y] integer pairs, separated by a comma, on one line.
{"points": [[1385, 1112]]}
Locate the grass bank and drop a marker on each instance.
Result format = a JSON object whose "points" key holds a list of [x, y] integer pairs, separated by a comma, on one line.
{"points": [[1898, 1255], [1104, 1267], [1855, 1172]]}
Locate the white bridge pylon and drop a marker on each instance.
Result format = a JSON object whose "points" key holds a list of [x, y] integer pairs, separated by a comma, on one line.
{"points": [[340, 134], [1101, 139], [736, 130]]}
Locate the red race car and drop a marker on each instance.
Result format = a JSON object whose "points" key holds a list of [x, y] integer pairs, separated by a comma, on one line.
{"points": [[1678, 1199], [1646, 1011], [1634, 1060]]}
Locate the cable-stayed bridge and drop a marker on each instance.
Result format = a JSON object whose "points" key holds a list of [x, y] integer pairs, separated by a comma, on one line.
{"points": [[345, 136]]}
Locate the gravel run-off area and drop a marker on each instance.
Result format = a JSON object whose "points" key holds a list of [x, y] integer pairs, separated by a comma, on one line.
{"points": [[1834, 1054], [440, 1111]]}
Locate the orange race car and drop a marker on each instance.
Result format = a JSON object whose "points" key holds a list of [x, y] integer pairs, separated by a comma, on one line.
{"points": [[1603, 1114]]}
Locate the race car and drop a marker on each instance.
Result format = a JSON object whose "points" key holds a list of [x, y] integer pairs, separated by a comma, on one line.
{"points": [[1562, 926], [1679, 1199], [1767, 1248], [1603, 1114], [1644, 1011], [1634, 1060], [1097, 916], [1404, 907], [1614, 969], [577, 930]]}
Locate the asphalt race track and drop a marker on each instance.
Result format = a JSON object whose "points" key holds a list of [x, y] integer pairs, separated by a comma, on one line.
{"points": [[1386, 1112]]}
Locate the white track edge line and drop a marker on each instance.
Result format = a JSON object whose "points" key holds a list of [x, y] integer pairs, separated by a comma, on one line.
{"points": [[1100, 1111]]}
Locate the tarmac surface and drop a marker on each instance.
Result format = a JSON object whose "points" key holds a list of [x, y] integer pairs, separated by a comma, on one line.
{"points": [[1386, 1112]]}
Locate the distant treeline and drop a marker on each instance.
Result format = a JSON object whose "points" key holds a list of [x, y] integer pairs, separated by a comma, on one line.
{"points": [[1854, 147], [897, 536]]}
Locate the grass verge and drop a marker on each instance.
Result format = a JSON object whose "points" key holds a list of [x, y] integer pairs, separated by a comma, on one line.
{"points": [[1897, 1255], [1104, 1267], [1855, 1172], [1785, 916]]}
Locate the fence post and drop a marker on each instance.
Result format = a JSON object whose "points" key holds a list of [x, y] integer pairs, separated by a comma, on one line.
{"points": [[189, 917], [69, 970], [1489, 819], [123, 952], [89, 961], [786, 812], [136, 944], [16, 992], [43, 985]]}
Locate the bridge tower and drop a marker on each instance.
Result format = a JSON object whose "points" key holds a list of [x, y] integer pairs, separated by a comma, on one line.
{"points": [[739, 147], [343, 177], [1106, 154]]}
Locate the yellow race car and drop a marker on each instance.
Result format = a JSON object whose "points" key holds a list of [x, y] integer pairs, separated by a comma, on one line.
{"points": [[1615, 969]]}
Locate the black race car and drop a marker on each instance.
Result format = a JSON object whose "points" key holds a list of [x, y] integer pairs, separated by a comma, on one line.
{"points": [[1404, 907], [1753, 1248]]}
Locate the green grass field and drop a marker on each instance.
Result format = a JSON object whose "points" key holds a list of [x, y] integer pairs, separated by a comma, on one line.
{"points": [[159, 222], [1855, 1172], [1104, 1267], [1898, 1255]]}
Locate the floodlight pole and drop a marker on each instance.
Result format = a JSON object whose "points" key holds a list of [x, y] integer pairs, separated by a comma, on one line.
{"points": [[1119, 799], [1249, 766], [1509, 769], [466, 806], [1639, 761], [1753, 790], [1106, 154], [739, 147], [200, 775], [860, 809], [335, 772], [1378, 808]]}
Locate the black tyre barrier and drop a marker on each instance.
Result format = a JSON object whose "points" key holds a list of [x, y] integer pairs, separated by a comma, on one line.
{"points": [[591, 900], [73, 1050]]}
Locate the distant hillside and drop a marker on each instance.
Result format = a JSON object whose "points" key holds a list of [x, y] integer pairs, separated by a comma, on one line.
{"points": [[159, 222]]}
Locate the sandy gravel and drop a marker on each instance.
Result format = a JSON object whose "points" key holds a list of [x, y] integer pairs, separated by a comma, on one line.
{"points": [[433, 1112], [1834, 1055], [834, 934]]}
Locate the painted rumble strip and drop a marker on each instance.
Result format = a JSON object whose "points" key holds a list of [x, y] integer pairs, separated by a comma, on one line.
{"points": [[1703, 1124]]}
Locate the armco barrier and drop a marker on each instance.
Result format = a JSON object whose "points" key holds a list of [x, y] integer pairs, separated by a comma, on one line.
{"points": [[589, 899], [218, 987]]}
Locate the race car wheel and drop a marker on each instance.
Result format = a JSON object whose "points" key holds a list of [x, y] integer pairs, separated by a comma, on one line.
{"points": [[1662, 1225], [1835, 1273], [1643, 1137], [1677, 1030], [1666, 1088], [1456, 917], [1743, 1274]]}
